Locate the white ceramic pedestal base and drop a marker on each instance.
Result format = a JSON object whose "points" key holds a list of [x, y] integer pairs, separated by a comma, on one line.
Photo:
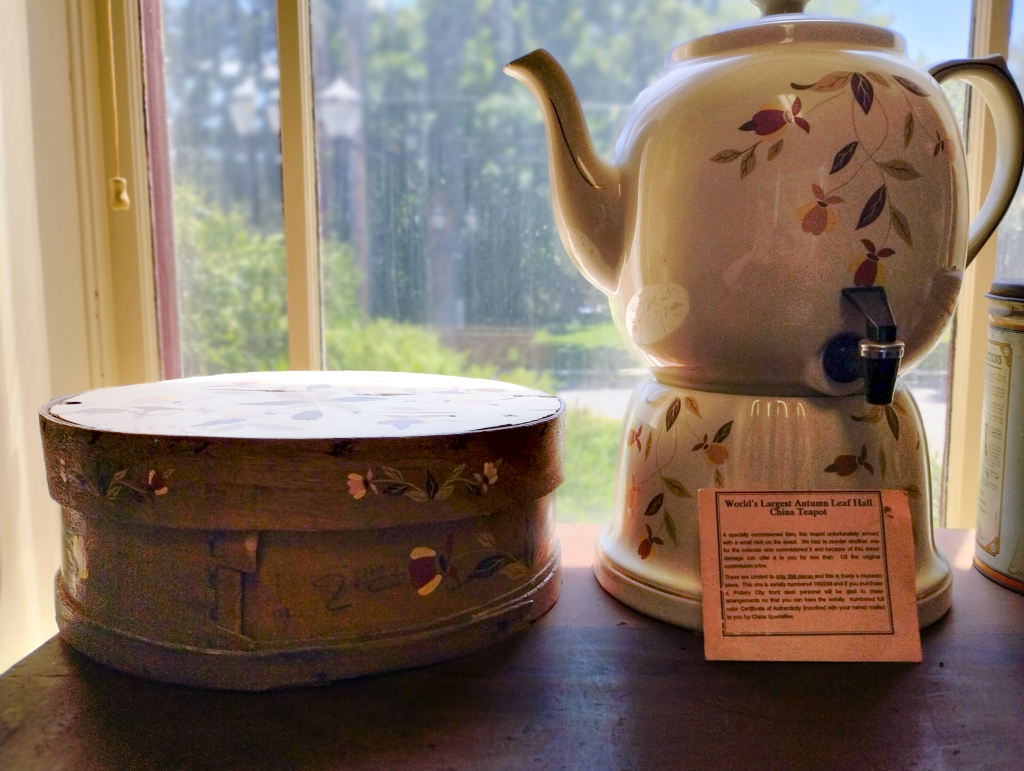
{"points": [[676, 442]]}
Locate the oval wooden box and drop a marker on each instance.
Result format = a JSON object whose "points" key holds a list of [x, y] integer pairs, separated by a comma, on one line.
{"points": [[274, 529]]}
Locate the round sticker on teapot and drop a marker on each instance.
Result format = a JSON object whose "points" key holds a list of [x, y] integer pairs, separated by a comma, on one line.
{"points": [[656, 311]]}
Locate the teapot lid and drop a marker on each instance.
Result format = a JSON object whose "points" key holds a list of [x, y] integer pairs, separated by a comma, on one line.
{"points": [[776, 7], [784, 23], [1006, 290]]}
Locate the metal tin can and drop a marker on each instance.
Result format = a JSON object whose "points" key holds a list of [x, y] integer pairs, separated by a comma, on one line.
{"points": [[999, 547]]}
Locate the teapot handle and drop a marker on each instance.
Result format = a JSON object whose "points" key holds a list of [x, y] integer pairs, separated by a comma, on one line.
{"points": [[993, 79]]}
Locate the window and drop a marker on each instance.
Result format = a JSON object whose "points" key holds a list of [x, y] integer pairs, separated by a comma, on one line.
{"points": [[223, 119], [438, 250]]}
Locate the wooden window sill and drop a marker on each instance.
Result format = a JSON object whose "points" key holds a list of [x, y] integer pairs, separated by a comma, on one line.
{"points": [[593, 685]]}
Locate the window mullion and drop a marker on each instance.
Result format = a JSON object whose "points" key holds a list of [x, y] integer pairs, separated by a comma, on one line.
{"points": [[161, 190], [991, 35], [123, 291], [298, 175]]}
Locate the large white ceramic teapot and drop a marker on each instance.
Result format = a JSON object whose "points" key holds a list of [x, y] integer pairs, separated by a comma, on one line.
{"points": [[768, 169]]}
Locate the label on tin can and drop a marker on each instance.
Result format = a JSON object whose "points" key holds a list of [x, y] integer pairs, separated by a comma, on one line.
{"points": [[995, 411], [999, 549]]}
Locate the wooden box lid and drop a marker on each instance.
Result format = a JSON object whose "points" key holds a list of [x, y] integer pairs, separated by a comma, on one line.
{"points": [[303, 450]]}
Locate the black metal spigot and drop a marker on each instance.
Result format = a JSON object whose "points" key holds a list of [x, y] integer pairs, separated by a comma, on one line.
{"points": [[876, 359]]}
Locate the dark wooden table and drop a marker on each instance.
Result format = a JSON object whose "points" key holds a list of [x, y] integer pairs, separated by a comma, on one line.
{"points": [[592, 686]]}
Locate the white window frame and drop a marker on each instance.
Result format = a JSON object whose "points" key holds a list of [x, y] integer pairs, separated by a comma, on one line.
{"points": [[298, 188], [958, 506]]}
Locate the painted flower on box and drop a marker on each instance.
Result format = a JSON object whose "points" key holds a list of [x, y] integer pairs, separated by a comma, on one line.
{"points": [[428, 567], [359, 484], [156, 481], [423, 570], [107, 483], [393, 483]]}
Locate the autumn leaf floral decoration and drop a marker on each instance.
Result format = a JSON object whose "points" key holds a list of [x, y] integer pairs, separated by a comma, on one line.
{"points": [[844, 465], [429, 567], [817, 217], [392, 482]]}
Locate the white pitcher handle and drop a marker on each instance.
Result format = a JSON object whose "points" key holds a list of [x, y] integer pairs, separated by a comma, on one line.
{"points": [[993, 79]]}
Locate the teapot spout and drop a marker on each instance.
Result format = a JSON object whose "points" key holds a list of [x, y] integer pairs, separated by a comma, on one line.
{"points": [[586, 192]]}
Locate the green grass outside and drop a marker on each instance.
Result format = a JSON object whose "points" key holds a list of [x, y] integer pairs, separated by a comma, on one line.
{"points": [[591, 454], [592, 336]]}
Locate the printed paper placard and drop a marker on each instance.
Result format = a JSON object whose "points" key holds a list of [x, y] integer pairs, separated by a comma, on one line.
{"points": [[825, 575]]}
